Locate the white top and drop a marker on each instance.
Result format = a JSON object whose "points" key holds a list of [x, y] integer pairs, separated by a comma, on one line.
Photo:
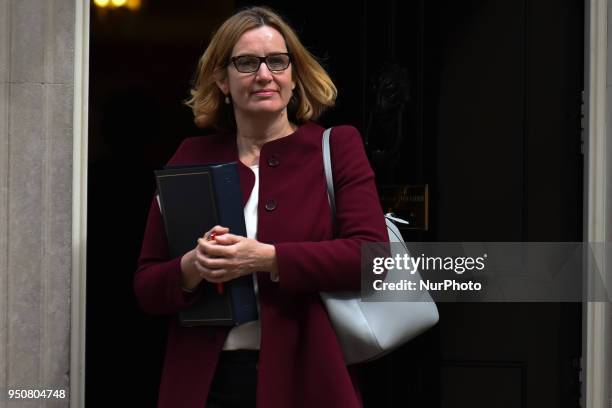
{"points": [[247, 336]]}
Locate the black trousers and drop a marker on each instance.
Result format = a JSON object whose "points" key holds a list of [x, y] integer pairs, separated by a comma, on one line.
{"points": [[235, 382]]}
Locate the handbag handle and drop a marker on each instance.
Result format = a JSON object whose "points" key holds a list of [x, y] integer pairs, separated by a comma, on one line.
{"points": [[329, 177]]}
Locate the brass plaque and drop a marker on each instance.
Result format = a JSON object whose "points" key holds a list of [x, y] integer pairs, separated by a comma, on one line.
{"points": [[409, 202]]}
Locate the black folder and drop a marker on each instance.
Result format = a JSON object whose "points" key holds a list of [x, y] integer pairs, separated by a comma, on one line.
{"points": [[192, 200]]}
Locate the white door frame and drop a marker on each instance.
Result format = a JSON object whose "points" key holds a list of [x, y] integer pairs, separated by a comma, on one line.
{"points": [[596, 315], [79, 204]]}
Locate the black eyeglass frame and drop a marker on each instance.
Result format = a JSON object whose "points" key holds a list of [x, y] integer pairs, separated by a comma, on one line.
{"points": [[261, 60]]}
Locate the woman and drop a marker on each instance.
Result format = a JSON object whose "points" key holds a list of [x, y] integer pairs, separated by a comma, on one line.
{"points": [[261, 89]]}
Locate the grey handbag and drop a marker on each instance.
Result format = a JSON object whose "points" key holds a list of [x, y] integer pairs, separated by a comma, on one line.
{"points": [[369, 330]]}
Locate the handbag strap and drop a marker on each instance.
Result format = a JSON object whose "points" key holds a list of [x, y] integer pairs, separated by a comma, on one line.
{"points": [[329, 177]]}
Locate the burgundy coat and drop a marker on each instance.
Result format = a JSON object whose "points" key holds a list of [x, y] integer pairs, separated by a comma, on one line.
{"points": [[300, 363]]}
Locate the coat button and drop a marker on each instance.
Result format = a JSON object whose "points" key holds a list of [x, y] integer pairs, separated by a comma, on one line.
{"points": [[270, 205], [273, 161]]}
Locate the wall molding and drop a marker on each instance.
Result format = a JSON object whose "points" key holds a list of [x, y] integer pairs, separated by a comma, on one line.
{"points": [[596, 315], [79, 204]]}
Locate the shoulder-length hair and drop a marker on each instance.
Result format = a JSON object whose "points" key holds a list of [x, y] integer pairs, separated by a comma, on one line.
{"points": [[314, 91]]}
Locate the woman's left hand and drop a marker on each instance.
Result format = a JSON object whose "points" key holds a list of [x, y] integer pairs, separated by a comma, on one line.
{"points": [[230, 256]]}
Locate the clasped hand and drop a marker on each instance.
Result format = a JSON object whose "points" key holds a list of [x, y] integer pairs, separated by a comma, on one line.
{"points": [[226, 257]]}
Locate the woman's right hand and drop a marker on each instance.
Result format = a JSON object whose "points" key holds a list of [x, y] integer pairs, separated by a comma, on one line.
{"points": [[190, 267]]}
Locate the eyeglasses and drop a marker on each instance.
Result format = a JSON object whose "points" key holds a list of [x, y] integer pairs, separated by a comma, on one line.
{"points": [[247, 64]]}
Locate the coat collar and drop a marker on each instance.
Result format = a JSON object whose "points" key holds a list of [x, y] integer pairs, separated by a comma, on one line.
{"points": [[229, 152]]}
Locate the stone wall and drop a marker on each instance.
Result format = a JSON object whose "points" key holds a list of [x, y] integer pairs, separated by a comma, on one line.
{"points": [[36, 114]]}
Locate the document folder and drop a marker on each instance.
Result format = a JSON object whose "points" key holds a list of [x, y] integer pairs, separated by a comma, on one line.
{"points": [[192, 200]]}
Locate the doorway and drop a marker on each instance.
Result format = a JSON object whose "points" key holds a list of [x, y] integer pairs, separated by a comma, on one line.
{"points": [[491, 124]]}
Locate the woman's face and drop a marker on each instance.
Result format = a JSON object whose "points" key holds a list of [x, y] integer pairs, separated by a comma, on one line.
{"points": [[262, 91]]}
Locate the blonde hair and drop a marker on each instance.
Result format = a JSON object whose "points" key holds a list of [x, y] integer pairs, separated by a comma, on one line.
{"points": [[314, 92]]}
